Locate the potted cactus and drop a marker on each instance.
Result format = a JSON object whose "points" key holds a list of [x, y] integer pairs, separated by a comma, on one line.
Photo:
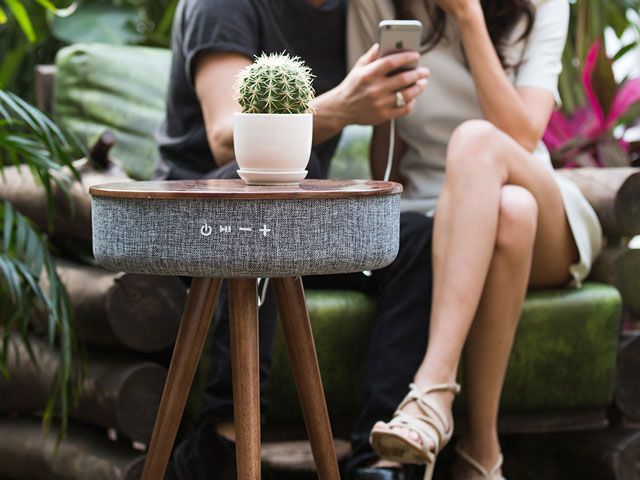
{"points": [[272, 135]]}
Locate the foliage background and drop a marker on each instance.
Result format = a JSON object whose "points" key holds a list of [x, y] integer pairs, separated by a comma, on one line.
{"points": [[132, 22]]}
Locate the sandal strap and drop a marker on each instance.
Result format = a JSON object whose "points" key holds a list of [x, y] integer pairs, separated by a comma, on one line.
{"points": [[434, 424], [491, 474]]}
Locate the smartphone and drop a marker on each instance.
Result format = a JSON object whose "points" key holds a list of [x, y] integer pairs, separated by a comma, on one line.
{"points": [[400, 36]]}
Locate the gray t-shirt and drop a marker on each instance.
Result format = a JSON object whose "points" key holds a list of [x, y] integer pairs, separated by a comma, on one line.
{"points": [[248, 27]]}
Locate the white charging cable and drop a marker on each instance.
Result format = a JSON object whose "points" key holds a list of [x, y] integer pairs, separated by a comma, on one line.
{"points": [[387, 171], [263, 294], [392, 141]]}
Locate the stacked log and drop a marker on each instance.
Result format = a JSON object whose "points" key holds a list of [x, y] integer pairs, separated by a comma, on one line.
{"points": [[125, 321], [72, 209], [117, 392], [27, 454], [123, 310], [614, 194], [620, 266], [627, 393], [608, 454]]}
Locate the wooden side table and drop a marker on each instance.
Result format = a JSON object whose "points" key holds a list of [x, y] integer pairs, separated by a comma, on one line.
{"points": [[215, 229]]}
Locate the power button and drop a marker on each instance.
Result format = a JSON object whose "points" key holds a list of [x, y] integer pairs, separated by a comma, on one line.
{"points": [[206, 230]]}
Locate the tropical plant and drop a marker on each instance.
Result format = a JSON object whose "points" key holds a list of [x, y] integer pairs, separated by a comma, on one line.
{"points": [[31, 33], [589, 21], [275, 83], [592, 134], [29, 138]]}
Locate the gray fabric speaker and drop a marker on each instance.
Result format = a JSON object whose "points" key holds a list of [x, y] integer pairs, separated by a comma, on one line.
{"points": [[250, 236]]}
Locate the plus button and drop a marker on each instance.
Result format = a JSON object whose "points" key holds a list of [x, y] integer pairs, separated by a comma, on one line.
{"points": [[264, 230]]}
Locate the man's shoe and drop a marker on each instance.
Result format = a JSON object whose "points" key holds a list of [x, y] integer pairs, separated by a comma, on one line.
{"points": [[204, 455], [406, 473]]}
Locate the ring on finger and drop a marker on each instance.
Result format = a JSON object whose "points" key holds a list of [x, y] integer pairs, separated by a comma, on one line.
{"points": [[400, 101]]}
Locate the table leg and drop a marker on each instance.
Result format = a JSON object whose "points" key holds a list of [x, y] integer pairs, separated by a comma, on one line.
{"points": [[245, 366], [194, 326], [304, 362]]}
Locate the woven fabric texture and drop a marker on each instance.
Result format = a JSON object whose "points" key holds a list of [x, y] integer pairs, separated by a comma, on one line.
{"points": [[246, 238]]}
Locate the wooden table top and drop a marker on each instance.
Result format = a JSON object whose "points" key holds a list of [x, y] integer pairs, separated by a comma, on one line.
{"points": [[238, 189]]}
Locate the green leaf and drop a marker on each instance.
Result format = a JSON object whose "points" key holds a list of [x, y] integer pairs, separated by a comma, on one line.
{"points": [[59, 12], [11, 63], [603, 81], [28, 136], [624, 50], [3, 16], [22, 17], [98, 23], [616, 17]]}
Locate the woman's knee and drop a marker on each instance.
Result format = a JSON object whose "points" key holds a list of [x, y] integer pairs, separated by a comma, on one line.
{"points": [[475, 144], [518, 220]]}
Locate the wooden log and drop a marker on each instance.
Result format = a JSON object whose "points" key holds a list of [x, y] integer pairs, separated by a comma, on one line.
{"points": [[620, 267], [627, 391], [614, 193], [605, 455], [134, 311], [45, 75], [296, 456], [120, 393], [85, 453], [72, 212], [610, 454]]}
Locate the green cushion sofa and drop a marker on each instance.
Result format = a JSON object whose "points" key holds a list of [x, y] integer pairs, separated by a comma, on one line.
{"points": [[561, 372]]}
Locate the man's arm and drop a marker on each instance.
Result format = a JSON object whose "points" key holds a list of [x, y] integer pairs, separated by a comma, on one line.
{"points": [[366, 96], [214, 80]]}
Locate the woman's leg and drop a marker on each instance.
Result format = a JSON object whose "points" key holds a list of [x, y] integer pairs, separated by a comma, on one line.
{"points": [[477, 260], [495, 324]]}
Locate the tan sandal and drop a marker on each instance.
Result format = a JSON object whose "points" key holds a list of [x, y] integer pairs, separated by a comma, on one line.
{"points": [[491, 474], [434, 426]]}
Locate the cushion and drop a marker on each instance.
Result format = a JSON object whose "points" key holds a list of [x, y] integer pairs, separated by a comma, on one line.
{"points": [[120, 88], [564, 355]]}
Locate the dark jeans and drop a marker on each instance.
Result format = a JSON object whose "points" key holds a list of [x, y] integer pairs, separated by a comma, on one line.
{"points": [[396, 346]]}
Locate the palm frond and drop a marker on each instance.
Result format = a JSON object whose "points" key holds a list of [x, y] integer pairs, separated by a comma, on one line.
{"points": [[24, 260], [28, 137]]}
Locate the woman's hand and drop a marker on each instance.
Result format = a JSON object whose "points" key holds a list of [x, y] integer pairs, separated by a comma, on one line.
{"points": [[461, 9], [367, 95]]}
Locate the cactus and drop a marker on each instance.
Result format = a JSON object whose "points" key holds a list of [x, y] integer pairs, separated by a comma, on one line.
{"points": [[275, 83]]}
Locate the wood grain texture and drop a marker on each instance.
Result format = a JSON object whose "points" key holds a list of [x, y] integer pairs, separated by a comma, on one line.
{"points": [[238, 189], [26, 453], [117, 391], [245, 367], [614, 194], [306, 372], [192, 335]]}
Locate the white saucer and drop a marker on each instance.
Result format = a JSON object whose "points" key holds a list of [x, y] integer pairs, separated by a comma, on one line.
{"points": [[256, 177]]}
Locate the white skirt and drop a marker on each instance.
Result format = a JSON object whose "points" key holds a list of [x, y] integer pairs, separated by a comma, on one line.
{"points": [[585, 227]]}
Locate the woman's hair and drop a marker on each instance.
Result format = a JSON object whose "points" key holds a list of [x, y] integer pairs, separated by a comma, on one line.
{"points": [[501, 17]]}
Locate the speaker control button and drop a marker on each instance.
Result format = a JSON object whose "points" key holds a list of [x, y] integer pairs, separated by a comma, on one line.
{"points": [[206, 230], [264, 230]]}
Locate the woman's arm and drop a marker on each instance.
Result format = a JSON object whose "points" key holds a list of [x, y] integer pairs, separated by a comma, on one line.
{"points": [[522, 113]]}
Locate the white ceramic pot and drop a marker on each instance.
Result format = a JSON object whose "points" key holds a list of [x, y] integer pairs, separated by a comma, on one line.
{"points": [[272, 143]]}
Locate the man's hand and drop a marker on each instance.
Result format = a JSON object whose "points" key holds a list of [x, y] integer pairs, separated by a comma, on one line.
{"points": [[367, 95]]}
